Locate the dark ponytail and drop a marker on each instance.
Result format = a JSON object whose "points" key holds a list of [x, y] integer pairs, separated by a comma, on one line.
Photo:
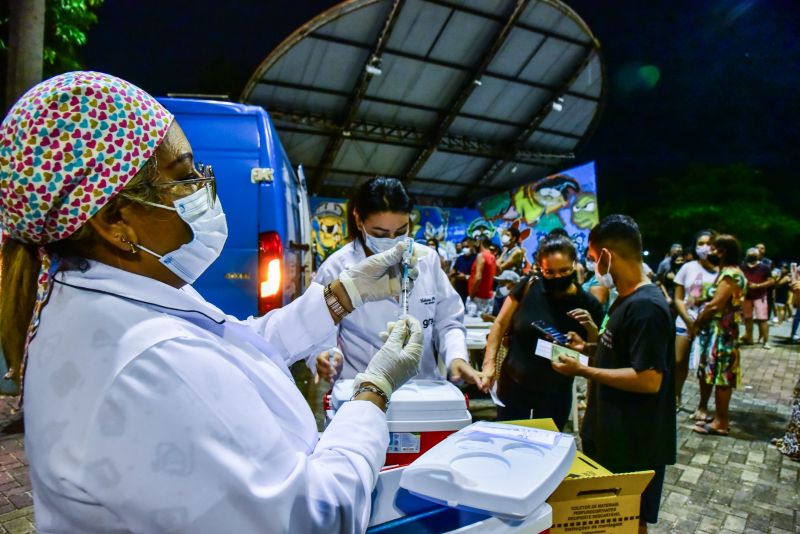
{"points": [[377, 195]]}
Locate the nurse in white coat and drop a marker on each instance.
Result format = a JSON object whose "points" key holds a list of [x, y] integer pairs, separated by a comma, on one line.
{"points": [[147, 409], [379, 218]]}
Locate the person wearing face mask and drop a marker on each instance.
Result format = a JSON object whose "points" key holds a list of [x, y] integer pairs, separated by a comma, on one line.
{"points": [[667, 281], [664, 265], [481, 276], [461, 268], [717, 331], [148, 409], [506, 282], [512, 257], [605, 294], [691, 289], [433, 244], [756, 303], [379, 219], [527, 384]]}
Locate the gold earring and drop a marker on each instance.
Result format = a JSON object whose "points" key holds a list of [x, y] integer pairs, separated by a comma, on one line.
{"points": [[131, 244]]}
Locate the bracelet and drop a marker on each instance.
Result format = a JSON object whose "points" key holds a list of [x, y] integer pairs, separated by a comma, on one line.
{"points": [[333, 303], [371, 389]]}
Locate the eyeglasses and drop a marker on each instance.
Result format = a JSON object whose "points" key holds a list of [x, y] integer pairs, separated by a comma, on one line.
{"points": [[206, 180], [553, 273]]}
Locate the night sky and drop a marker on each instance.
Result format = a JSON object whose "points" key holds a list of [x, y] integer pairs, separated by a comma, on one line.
{"points": [[708, 82]]}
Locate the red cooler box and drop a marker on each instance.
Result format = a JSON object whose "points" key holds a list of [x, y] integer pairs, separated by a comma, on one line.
{"points": [[421, 414]]}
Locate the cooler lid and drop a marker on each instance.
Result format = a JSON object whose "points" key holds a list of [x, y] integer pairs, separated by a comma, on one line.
{"points": [[415, 396], [504, 470]]}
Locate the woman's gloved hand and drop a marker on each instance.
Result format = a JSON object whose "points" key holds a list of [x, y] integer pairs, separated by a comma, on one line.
{"points": [[378, 276], [398, 360]]}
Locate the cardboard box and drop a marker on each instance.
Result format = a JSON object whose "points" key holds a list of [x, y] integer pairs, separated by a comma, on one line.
{"points": [[591, 499]]}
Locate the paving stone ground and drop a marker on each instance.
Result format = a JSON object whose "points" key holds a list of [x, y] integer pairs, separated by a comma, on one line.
{"points": [[739, 483], [719, 485]]}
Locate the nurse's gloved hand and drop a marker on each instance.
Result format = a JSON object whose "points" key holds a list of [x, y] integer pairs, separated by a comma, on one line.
{"points": [[378, 276], [397, 361]]}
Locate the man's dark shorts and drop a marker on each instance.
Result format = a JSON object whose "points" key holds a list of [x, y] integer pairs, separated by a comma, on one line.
{"points": [[651, 498]]}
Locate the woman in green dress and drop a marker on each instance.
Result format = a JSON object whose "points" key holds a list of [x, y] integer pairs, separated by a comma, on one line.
{"points": [[717, 328]]}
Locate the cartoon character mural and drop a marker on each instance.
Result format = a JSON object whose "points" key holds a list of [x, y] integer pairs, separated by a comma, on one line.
{"points": [[328, 226], [584, 212], [481, 227], [432, 223], [565, 200]]}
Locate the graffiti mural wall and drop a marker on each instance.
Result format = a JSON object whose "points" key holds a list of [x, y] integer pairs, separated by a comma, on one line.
{"points": [[328, 226], [565, 200]]}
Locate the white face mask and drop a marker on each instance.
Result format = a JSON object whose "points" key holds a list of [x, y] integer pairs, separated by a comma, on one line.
{"points": [[381, 244], [210, 229], [703, 251], [503, 291], [505, 239], [605, 280]]}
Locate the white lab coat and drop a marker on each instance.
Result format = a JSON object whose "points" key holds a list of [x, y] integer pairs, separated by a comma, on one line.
{"points": [[149, 410], [433, 301]]}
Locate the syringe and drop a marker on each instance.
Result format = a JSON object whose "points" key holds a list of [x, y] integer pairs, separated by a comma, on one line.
{"points": [[404, 284]]}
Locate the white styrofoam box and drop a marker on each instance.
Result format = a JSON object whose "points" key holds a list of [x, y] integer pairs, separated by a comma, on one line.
{"points": [[504, 470], [417, 406]]}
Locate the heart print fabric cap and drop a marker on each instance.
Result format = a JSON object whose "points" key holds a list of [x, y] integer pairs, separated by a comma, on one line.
{"points": [[68, 146]]}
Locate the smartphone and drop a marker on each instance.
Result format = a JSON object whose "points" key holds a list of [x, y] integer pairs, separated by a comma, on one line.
{"points": [[550, 332]]}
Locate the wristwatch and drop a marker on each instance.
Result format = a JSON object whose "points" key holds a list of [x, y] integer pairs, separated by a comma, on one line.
{"points": [[333, 303]]}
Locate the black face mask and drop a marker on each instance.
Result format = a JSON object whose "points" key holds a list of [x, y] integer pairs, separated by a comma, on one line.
{"points": [[713, 259], [752, 259], [560, 284]]}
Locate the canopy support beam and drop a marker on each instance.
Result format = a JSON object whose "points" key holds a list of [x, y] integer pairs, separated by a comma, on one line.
{"points": [[367, 72]]}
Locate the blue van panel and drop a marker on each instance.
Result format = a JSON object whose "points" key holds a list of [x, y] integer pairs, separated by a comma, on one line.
{"points": [[234, 139], [223, 133]]}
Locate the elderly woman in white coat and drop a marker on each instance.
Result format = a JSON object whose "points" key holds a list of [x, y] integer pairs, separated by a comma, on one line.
{"points": [[380, 219], [147, 409]]}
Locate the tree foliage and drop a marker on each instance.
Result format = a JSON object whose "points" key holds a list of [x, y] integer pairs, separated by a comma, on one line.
{"points": [[732, 199], [66, 24]]}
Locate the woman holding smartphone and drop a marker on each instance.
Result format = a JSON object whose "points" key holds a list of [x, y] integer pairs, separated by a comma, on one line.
{"points": [[527, 384]]}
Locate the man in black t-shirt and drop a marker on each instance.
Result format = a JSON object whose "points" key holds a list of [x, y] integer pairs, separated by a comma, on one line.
{"points": [[630, 417]]}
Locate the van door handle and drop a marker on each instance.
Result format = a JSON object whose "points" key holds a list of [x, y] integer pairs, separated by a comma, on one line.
{"points": [[298, 246]]}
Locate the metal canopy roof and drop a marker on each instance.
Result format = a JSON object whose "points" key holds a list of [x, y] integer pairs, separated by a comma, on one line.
{"points": [[458, 98]]}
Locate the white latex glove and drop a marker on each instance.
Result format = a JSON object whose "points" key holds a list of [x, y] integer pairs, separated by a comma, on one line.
{"points": [[378, 276], [397, 361]]}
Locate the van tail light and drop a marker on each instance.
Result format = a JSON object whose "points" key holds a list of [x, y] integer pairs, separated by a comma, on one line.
{"points": [[270, 269]]}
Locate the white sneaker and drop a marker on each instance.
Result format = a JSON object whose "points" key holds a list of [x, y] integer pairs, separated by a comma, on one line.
{"points": [[766, 346]]}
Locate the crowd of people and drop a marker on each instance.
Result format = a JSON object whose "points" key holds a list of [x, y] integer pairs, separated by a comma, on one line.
{"points": [[771, 295], [711, 297], [715, 296]]}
